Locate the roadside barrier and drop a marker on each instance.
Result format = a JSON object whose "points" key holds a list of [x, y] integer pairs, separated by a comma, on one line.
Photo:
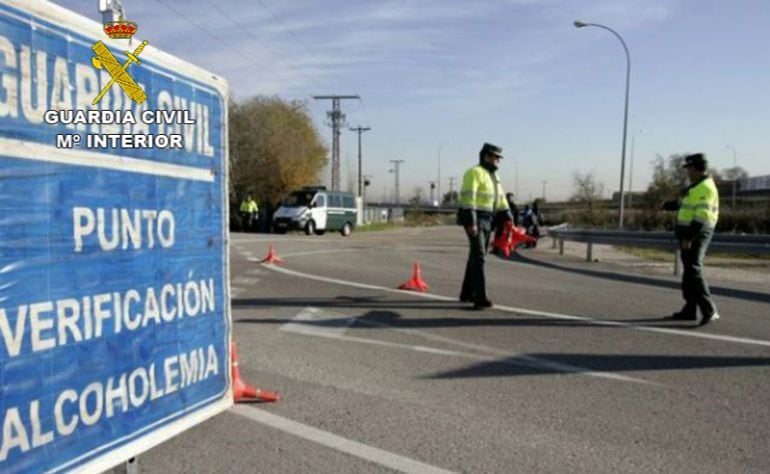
{"points": [[758, 244], [272, 257], [416, 283], [243, 392]]}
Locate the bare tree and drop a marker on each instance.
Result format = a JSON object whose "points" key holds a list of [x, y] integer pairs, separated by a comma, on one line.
{"points": [[417, 198], [450, 198], [734, 173], [586, 189], [668, 181]]}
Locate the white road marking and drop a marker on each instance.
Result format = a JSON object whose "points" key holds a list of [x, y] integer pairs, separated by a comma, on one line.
{"points": [[545, 314], [506, 358], [317, 322], [333, 441], [246, 281], [312, 252]]}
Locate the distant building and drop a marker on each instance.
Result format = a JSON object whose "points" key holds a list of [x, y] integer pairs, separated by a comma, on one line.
{"points": [[756, 185]]}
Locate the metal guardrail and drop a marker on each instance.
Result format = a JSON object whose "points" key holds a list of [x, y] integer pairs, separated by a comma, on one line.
{"points": [[732, 243]]}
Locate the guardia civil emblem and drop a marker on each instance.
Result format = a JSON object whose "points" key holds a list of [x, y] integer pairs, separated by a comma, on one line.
{"points": [[104, 59]]}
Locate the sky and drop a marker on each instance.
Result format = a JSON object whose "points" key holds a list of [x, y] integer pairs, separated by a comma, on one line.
{"points": [[438, 78]]}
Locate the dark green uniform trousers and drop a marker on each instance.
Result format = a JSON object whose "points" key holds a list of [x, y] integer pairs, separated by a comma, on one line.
{"points": [[474, 286], [695, 290]]}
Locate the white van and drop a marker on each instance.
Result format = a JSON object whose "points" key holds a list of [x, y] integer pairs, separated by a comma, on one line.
{"points": [[316, 210]]}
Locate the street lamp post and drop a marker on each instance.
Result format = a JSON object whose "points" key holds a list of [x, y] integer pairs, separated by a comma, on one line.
{"points": [[360, 130], [580, 24], [396, 163], [631, 168], [515, 175], [735, 165], [439, 176]]}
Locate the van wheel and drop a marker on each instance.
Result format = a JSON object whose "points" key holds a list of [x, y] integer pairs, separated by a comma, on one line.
{"points": [[320, 231], [346, 229], [310, 228]]}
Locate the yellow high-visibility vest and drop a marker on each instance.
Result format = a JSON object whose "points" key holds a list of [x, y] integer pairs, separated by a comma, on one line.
{"points": [[249, 206], [700, 204], [482, 191]]}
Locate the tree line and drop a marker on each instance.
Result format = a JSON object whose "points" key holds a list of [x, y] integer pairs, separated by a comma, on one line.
{"points": [[274, 149], [668, 182]]}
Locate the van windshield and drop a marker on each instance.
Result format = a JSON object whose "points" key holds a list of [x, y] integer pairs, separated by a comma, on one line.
{"points": [[300, 198]]}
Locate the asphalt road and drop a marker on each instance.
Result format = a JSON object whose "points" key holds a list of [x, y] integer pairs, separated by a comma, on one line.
{"points": [[573, 370]]}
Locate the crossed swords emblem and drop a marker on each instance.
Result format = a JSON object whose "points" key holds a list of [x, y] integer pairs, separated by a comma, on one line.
{"points": [[119, 72]]}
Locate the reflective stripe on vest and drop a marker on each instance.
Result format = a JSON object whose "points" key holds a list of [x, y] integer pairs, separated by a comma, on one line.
{"points": [[481, 191], [700, 204]]}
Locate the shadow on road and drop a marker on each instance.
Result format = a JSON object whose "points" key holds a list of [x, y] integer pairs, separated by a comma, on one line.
{"points": [[381, 314], [537, 363], [641, 280]]}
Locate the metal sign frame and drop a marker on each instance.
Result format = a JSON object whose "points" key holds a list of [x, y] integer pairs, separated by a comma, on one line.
{"points": [[115, 320]]}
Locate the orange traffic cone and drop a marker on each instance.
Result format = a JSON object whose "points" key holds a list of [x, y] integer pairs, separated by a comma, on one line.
{"points": [[510, 238], [503, 243], [272, 257], [416, 283], [243, 392], [519, 235]]}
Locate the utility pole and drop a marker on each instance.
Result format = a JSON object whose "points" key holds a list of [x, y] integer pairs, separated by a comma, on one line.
{"points": [[440, 197], [335, 119], [735, 177], [544, 183], [451, 190], [367, 181], [360, 130], [395, 170], [432, 189]]}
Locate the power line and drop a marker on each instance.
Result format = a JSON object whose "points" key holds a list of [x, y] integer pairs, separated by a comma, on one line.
{"points": [[222, 42], [396, 163], [360, 130], [336, 120], [249, 32], [286, 28]]}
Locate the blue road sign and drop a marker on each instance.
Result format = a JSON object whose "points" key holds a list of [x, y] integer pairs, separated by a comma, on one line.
{"points": [[114, 298]]}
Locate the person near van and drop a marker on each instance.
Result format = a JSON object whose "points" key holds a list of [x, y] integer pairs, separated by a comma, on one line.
{"points": [[514, 209], [249, 210], [481, 199], [530, 221], [696, 220]]}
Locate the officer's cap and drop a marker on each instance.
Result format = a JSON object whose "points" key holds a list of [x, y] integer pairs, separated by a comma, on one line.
{"points": [[493, 149], [698, 160]]}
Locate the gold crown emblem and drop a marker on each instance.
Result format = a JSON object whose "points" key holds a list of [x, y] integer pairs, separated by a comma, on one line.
{"points": [[120, 28]]}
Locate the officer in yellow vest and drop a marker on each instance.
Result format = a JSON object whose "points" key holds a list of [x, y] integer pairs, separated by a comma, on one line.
{"points": [[481, 197], [695, 223], [249, 210]]}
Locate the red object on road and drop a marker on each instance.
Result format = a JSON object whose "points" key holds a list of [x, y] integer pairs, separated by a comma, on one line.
{"points": [[243, 392], [510, 238], [416, 283], [272, 257]]}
